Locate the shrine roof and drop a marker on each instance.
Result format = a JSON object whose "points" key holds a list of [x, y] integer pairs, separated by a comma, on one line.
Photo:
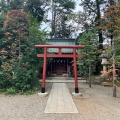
{"points": [[61, 41]]}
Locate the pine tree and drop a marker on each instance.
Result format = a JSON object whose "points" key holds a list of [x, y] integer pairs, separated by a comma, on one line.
{"points": [[89, 39]]}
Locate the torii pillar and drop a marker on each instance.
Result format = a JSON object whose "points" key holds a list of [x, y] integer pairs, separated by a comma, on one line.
{"points": [[60, 55]]}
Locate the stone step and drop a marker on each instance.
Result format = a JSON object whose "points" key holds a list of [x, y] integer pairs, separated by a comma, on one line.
{"points": [[64, 78], [62, 81]]}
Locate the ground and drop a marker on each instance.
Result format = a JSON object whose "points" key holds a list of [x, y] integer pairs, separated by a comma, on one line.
{"points": [[96, 103]]}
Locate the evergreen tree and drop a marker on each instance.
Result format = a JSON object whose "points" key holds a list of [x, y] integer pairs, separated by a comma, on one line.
{"points": [[60, 11], [92, 7], [89, 39], [111, 24]]}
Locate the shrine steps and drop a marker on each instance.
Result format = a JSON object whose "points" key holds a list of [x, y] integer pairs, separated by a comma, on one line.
{"points": [[63, 79]]}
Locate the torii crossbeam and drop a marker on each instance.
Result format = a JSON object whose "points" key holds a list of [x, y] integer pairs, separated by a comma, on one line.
{"points": [[60, 55]]}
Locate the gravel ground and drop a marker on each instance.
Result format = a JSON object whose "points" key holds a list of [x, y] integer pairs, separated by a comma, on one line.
{"points": [[96, 103]]}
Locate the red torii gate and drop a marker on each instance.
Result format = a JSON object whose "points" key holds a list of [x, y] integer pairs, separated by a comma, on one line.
{"points": [[60, 55]]}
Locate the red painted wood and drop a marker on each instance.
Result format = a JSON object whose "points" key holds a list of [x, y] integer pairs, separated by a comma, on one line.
{"points": [[59, 51], [75, 68], [61, 46], [60, 56], [44, 67]]}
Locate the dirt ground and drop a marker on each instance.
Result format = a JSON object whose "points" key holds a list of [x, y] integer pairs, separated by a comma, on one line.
{"points": [[96, 103]]}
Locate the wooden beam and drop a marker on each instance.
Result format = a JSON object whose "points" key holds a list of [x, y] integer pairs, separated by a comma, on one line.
{"points": [[59, 51], [75, 71], [60, 55], [44, 70], [60, 46]]}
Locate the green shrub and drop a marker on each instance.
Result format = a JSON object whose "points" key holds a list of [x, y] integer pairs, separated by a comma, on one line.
{"points": [[25, 80], [11, 91], [18, 59]]}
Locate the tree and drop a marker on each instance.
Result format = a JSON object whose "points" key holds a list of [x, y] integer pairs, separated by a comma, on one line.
{"points": [[37, 8], [88, 20], [111, 23], [92, 7], [16, 27], [14, 44], [60, 11], [83, 21], [7, 5], [19, 67], [89, 39], [36, 36], [2, 19]]}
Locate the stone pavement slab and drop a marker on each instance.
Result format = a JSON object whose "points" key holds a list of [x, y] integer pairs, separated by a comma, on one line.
{"points": [[60, 100], [63, 81]]}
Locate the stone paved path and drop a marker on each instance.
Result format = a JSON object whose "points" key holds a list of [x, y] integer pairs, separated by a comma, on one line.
{"points": [[60, 100]]}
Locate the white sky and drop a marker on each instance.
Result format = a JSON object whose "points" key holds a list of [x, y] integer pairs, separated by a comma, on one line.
{"points": [[78, 8]]}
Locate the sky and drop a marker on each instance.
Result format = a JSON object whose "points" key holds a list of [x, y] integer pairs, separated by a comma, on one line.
{"points": [[46, 26]]}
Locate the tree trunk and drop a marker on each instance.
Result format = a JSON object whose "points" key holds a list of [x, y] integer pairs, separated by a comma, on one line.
{"points": [[89, 75], [19, 43], [114, 91], [114, 86], [53, 19], [98, 17]]}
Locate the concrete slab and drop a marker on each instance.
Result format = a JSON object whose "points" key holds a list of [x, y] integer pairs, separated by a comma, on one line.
{"points": [[42, 94], [63, 81], [76, 94], [60, 100]]}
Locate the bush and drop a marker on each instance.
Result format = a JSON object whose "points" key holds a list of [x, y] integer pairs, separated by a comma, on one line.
{"points": [[11, 91], [25, 80], [18, 57]]}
